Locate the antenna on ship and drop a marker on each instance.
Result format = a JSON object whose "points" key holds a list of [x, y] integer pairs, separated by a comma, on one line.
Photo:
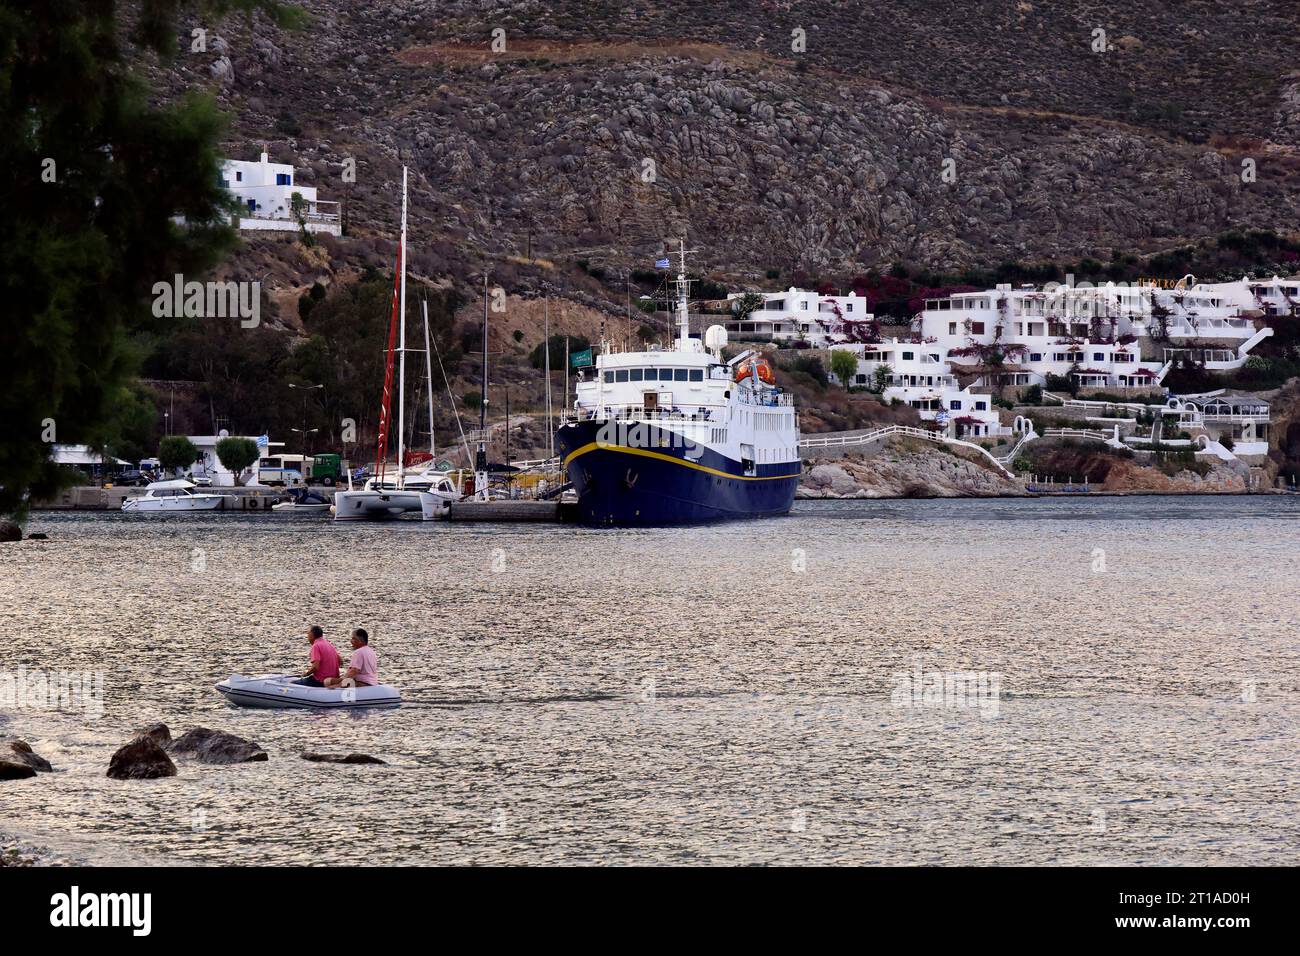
{"points": [[683, 305]]}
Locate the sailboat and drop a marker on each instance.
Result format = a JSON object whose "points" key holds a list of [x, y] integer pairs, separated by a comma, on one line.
{"points": [[383, 496]]}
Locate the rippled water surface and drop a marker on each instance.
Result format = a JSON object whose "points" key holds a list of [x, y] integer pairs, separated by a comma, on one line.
{"points": [[717, 694]]}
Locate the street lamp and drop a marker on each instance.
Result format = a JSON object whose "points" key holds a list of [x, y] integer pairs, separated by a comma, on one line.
{"points": [[305, 389]]}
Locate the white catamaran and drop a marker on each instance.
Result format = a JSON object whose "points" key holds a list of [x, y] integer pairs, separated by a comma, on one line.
{"points": [[383, 496]]}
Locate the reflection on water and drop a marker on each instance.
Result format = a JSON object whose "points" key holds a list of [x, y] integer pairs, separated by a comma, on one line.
{"points": [[718, 694]]}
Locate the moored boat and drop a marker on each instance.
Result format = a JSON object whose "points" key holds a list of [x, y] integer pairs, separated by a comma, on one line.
{"points": [[681, 436], [173, 496]]}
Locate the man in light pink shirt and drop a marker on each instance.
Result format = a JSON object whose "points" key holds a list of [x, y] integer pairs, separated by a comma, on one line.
{"points": [[324, 660], [363, 669]]}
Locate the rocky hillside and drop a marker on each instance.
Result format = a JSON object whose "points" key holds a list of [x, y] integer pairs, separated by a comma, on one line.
{"points": [[601, 128]]}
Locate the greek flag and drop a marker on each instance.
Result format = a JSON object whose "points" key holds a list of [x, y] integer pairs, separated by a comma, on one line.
{"points": [[263, 440], [662, 263]]}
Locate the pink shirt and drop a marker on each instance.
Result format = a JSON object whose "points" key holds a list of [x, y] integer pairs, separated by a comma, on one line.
{"points": [[367, 665], [326, 658]]}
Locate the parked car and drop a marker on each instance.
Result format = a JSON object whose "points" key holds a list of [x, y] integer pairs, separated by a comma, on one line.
{"points": [[134, 478]]}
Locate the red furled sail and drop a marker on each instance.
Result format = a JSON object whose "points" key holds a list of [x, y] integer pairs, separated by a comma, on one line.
{"points": [[386, 408]]}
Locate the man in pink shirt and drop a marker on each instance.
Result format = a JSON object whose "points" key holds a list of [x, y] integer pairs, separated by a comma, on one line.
{"points": [[324, 660], [363, 669]]}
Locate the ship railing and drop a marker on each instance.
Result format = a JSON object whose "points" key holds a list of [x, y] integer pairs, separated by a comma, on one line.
{"points": [[628, 413], [766, 400]]}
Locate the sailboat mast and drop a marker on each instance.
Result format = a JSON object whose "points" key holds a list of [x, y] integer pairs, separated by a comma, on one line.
{"points": [[401, 360], [428, 372], [546, 338], [480, 456]]}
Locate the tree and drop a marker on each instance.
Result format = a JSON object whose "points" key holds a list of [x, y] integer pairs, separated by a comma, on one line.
{"points": [[537, 358], [747, 304], [845, 365], [97, 174], [176, 453], [236, 454], [880, 378]]}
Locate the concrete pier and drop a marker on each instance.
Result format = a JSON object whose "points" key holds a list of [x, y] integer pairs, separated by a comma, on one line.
{"points": [[110, 499], [513, 511]]}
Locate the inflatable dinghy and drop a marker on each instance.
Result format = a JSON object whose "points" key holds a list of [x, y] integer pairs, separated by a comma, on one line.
{"points": [[279, 690]]}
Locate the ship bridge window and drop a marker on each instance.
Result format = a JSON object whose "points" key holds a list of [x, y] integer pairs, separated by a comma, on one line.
{"points": [[609, 377], [635, 374], [697, 374], [680, 374], [620, 375]]}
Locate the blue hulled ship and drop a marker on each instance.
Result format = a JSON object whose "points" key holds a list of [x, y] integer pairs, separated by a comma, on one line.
{"points": [[680, 435]]}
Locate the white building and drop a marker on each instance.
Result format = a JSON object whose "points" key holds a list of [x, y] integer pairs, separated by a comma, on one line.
{"points": [[799, 315], [1115, 336], [917, 375], [265, 190], [85, 458], [209, 465]]}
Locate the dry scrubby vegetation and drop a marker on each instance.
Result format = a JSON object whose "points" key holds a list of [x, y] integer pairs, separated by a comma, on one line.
{"points": [[820, 169]]}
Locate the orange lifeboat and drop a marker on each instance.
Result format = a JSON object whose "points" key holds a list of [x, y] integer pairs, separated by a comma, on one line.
{"points": [[763, 367]]}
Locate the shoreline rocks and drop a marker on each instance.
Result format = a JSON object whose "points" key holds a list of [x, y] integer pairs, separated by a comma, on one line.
{"points": [[9, 531], [214, 746], [141, 758], [19, 762], [901, 470], [350, 758]]}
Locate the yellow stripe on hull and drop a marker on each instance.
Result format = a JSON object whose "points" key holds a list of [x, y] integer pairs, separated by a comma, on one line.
{"points": [[623, 449]]}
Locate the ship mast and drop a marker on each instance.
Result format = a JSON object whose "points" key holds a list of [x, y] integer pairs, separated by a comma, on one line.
{"points": [[683, 306]]}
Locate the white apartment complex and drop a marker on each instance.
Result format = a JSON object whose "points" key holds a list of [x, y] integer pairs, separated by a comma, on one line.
{"points": [[798, 315], [1115, 337]]}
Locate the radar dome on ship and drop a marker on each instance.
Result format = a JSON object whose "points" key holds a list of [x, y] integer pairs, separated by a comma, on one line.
{"points": [[715, 337]]}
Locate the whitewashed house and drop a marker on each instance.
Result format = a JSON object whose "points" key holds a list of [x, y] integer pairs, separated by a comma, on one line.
{"points": [[265, 191], [916, 374], [800, 315]]}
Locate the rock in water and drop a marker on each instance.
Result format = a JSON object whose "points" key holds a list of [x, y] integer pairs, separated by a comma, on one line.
{"points": [[336, 758], [14, 769], [10, 531], [11, 748], [160, 733], [141, 759], [216, 746]]}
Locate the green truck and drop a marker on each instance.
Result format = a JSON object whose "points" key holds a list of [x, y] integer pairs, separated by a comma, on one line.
{"points": [[326, 470]]}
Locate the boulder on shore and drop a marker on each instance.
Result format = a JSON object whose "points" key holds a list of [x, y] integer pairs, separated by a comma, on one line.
{"points": [[10, 531], [216, 746], [337, 758], [141, 758], [13, 749]]}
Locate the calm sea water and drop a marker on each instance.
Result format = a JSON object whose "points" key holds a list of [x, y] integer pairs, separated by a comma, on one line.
{"points": [[731, 694]]}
